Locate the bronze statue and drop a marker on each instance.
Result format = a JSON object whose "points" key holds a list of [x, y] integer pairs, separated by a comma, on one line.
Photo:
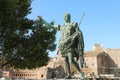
{"points": [[71, 44]]}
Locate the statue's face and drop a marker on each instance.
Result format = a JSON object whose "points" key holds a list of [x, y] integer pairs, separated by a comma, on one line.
{"points": [[67, 18]]}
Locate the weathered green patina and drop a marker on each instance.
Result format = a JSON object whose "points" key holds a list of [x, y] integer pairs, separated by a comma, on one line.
{"points": [[71, 44]]}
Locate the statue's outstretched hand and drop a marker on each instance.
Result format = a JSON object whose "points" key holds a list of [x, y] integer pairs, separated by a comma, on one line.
{"points": [[39, 18], [49, 25]]}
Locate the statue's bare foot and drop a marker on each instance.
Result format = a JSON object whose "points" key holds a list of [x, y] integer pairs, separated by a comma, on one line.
{"points": [[68, 77], [82, 77]]}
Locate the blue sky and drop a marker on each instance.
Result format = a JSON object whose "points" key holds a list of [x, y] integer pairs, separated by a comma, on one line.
{"points": [[101, 23]]}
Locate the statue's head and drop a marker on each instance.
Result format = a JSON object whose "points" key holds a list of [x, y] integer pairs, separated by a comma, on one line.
{"points": [[67, 17]]}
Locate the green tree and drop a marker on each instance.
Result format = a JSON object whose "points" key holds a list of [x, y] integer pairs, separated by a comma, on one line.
{"points": [[24, 43]]}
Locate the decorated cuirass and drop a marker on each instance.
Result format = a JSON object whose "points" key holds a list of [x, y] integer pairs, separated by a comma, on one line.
{"points": [[67, 30]]}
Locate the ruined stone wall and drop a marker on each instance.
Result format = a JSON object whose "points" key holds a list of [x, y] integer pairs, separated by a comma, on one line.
{"points": [[115, 56]]}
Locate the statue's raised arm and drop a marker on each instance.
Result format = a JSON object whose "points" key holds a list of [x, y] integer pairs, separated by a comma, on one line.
{"points": [[49, 25]]}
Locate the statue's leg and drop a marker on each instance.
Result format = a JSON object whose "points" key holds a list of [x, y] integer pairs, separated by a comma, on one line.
{"points": [[81, 61], [67, 65], [76, 65]]}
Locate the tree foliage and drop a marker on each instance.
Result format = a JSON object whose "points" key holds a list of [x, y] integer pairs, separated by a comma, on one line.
{"points": [[24, 43]]}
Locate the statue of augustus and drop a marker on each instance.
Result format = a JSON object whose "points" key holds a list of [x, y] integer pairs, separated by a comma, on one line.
{"points": [[71, 44]]}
